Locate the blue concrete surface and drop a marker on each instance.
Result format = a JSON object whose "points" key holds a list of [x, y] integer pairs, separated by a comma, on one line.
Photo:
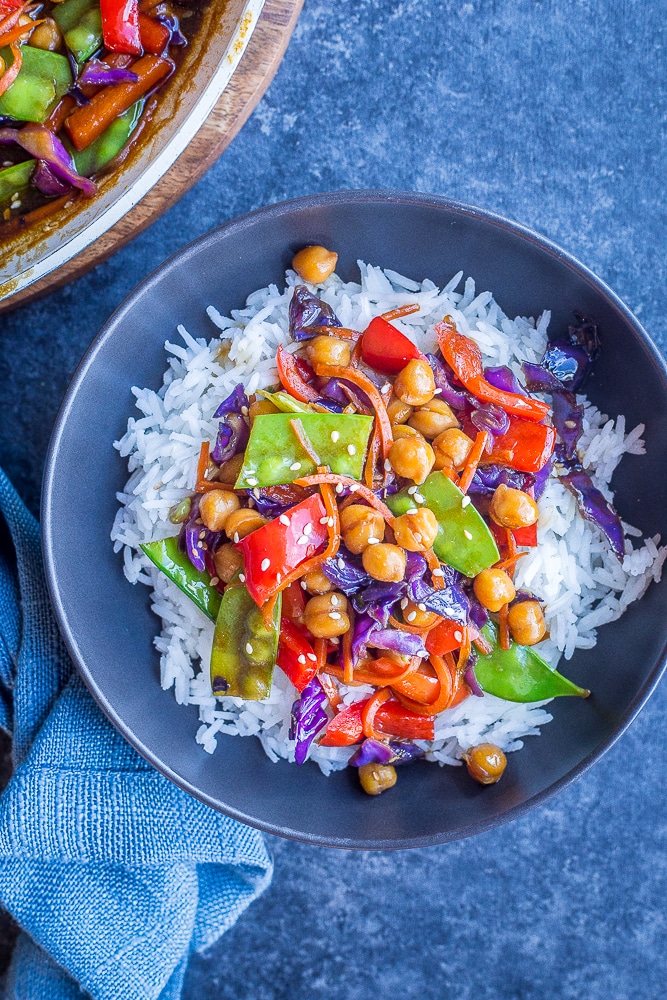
{"points": [[551, 112]]}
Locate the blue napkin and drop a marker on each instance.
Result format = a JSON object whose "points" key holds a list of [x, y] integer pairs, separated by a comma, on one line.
{"points": [[114, 874]]}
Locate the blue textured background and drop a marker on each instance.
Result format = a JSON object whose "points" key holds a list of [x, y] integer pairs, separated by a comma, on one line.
{"points": [[553, 113]]}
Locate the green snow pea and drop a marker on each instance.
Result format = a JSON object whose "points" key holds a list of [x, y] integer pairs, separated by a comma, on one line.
{"points": [[244, 649], [175, 564], [43, 79], [108, 145], [464, 540], [285, 402], [81, 24], [519, 673], [14, 180], [274, 454]]}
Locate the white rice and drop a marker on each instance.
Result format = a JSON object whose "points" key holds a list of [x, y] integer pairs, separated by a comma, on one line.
{"points": [[573, 571]]}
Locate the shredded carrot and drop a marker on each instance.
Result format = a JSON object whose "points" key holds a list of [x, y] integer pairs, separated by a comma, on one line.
{"points": [[464, 652], [355, 357], [414, 307], [202, 466], [333, 479], [377, 402], [330, 689], [511, 562], [445, 676], [481, 643], [437, 579], [206, 485], [12, 18], [371, 459], [13, 34], [473, 460], [369, 712], [267, 611], [346, 648], [504, 630], [304, 441], [369, 673], [413, 629], [8, 77], [320, 647]]}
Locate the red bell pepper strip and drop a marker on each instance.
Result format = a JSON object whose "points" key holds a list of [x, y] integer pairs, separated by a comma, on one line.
{"points": [[277, 548], [291, 378], [526, 536], [154, 35], [525, 446], [296, 657], [8, 77], [520, 536], [120, 26], [465, 358], [445, 637], [385, 348], [391, 719]]}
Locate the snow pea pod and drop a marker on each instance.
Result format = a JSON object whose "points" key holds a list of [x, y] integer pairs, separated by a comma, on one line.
{"points": [[464, 540], [274, 454], [520, 674], [244, 649], [175, 564], [284, 402]]}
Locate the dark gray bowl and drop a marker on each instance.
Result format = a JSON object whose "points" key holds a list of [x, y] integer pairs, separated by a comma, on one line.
{"points": [[108, 625]]}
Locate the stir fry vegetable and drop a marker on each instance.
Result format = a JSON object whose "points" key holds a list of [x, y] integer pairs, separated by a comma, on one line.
{"points": [[360, 524], [76, 79]]}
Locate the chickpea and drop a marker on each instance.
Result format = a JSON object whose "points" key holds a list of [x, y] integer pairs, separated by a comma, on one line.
{"points": [[228, 561], [315, 264], [405, 431], [398, 411], [418, 616], [415, 384], [433, 418], [451, 448], [412, 458], [229, 471], [384, 562], [486, 763], [326, 616], [259, 407], [360, 527], [513, 508], [241, 522], [416, 532], [46, 36], [526, 622], [317, 582], [377, 778], [329, 351], [493, 588], [215, 508]]}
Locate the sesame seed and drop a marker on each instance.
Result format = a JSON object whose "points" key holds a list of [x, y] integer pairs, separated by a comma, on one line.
{"points": [[334, 639], [335, 615], [412, 616], [284, 519], [467, 534], [215, 580], [324, 520], [202, 534], [458, 636], [334, 601], [251, 482], [412, 510], [373, 541], [404, 604], [330, 522], [465, 501], [387, 465], [437, 572], [351, 450], [303, 540], [571, 424], [334, 436], [304, 585], [421, 606], [311, 656], [341, 563], [251, 502], [412, 490], [204, 547], [436, 392], [353, 488], [295, 466], [242, 577], [301, 658], [279, 577], [418, 537], [255, 493], [248, 648], [419, 498], [339, 487], [244, 411], [307, 529], [265, 564], [386, 387]]}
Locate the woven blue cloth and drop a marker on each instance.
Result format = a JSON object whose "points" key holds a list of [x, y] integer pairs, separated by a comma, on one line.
{"points": [[114, 874]]}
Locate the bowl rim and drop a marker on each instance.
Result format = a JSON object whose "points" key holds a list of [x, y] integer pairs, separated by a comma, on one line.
{"points": [[276, 210]]}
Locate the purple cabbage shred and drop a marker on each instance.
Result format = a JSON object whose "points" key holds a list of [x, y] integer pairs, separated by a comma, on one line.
{"points": [[308, 718], [306, 311]]}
